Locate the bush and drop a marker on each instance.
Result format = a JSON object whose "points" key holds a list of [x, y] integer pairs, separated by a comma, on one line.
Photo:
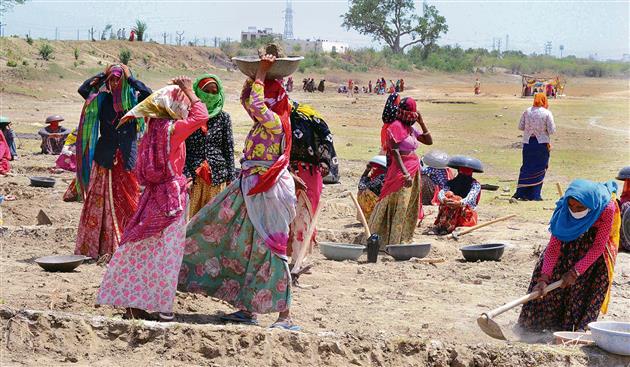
{"points": [[46, 51], [29, 40], [24, 62], [76, 53], [125, 56], [11, 63]]}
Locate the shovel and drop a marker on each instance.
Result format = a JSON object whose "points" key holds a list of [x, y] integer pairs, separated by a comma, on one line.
{"points": [[491, 328], [459, 232], [373, 240]]}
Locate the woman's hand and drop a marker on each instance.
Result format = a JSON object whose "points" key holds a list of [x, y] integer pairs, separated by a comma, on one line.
{"points": [[569, 278], [540, 288], [185, 84], [425, 138], [300, 185], [266, 62], [408, 180], [126, 71], [323, 167]]}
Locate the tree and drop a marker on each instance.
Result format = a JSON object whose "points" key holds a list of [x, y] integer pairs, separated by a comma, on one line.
{"points": [[125, 56], [140, 28], [393, 21], [107, 28], [46, 51], [6, 5]]}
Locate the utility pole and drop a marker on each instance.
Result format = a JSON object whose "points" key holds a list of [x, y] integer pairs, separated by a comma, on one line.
{"points": [[561, 50], [205, 40], [164, 35], [216, 42], [77, 34], [499, 45], [56, 33], [2, 25], [507, 39], [179, 38]]}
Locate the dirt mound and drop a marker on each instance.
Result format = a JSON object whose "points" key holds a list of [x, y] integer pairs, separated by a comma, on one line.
{"points": [[57, 337]]}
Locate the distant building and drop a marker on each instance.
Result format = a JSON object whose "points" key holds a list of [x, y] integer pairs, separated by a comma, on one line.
{"points": [[625, 58], [320, 46], [253, 33]]}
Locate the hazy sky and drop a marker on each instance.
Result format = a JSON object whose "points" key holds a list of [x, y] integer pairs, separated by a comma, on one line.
{"points": [[583, 27]]}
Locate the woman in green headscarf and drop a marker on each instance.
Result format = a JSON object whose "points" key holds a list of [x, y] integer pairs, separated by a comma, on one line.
{"points": [[210, 150]]}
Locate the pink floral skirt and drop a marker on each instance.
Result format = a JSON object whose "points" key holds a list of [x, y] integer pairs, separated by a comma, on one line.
{"points": [[227, 259], [143, 274]]}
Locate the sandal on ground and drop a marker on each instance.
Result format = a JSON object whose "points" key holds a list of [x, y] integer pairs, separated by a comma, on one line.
{"points": [[166, 317], [138, 314], [285, 325], [239, 317]]}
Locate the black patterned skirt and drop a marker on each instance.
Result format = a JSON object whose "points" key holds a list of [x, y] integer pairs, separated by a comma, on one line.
{"points": [[570, 308]]}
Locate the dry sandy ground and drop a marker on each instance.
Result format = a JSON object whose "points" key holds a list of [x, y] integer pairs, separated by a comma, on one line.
{"points": [[385, 314]]}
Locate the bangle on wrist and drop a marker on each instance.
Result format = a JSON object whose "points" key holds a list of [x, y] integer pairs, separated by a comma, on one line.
{"points": [[426, 133]]}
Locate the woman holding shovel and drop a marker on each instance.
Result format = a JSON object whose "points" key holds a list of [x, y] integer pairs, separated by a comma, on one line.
{"points": [[582, 250]]}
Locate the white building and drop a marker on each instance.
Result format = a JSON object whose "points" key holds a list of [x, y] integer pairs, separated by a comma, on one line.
{"points": [[253, 33], [295, 46]]}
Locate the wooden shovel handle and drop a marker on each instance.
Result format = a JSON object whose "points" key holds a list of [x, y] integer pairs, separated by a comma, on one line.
{"points": [[361, 215], [468, 230], [522, 300]]}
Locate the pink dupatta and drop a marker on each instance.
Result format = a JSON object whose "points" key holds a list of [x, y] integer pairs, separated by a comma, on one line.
{"points": [[401, 134], [162, 201]]}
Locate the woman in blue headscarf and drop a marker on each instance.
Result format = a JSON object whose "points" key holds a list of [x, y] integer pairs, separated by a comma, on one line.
{"points": [[582, 250]]}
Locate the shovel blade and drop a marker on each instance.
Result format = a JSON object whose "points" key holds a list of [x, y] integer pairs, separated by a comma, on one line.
{"points": [[490, 327]]}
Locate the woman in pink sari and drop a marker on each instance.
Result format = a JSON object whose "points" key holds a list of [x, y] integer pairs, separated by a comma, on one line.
{"points": [[396, 214], [142, 274]]}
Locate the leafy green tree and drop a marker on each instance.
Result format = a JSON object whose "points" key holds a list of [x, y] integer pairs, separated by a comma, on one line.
{"points": [[396, 23], [6, 5], [125, 56], [140, 28], [46, 51]]}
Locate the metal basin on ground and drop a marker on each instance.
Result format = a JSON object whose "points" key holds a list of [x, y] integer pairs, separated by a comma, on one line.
{"points": [[612, 336], [406, 252], [483, 252], [63, 263], [42, 181], [340, 251]]}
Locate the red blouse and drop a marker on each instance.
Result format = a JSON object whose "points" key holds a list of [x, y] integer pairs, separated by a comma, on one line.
{"points": [[603, 224]]}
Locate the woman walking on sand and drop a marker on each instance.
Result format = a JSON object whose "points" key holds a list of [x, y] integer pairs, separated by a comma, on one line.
{"points": [[142, 274], [537, 125], [106, 157], [236, 245]]}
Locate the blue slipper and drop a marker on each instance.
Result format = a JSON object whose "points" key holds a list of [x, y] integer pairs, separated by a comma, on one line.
{"points": [[285, 326], [239, 317]]}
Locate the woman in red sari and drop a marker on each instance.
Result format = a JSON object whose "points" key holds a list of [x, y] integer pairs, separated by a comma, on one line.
{"points": [[5, 155], [395, 216], [106, 157]]}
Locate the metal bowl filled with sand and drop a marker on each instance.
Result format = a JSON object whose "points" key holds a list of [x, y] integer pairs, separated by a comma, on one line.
{"points": [[340, 251]]}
